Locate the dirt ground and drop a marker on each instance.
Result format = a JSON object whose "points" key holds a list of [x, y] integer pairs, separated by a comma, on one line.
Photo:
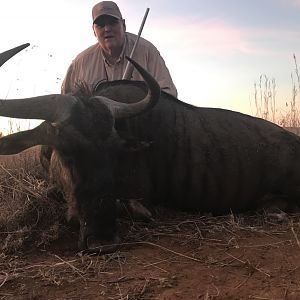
{"points": [[178, 256]]}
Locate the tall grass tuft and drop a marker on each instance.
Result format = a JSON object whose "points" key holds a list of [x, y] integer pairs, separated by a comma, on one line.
{"points": [[265, 100]]}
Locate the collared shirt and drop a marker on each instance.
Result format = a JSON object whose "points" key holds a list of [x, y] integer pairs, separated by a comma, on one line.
{"points": [[91, 67]]}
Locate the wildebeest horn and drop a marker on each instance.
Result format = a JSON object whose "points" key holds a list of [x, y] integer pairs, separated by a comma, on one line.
{"points": [[43, 134], [52, 108], [5, 56], [125, 110]]}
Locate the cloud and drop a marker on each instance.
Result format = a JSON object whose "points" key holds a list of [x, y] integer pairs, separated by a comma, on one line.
{"points": [[209, 37], [295, 3], [216, 37]]}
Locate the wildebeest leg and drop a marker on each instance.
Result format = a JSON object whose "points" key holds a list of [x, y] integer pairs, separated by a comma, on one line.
{"points": [[54, 193], [45, 157]]}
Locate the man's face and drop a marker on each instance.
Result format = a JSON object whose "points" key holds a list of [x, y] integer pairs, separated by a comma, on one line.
{"points": [[110, 33]]}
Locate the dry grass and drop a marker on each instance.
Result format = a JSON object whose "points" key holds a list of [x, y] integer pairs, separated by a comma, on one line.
{"points": [[265, 100], [27, 216]]}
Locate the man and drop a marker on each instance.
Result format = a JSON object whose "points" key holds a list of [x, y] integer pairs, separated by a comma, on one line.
{"points": [[106, 59]]}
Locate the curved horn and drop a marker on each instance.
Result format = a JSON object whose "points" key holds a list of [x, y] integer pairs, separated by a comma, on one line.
{"points": [[5, 56], [126, 110], [44, 134], [52, 108]]}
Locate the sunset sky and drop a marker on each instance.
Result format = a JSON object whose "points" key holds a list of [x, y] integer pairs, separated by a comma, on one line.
{"points": [[215, 50]]}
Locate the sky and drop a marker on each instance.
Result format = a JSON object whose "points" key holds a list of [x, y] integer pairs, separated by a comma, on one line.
{"points": [[215, 50]]}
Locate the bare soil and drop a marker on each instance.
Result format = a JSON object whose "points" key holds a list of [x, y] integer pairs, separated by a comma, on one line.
{"points": [[178, 256]]}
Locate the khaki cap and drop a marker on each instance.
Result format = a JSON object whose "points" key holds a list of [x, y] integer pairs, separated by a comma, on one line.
{"points": [[109, 8]]}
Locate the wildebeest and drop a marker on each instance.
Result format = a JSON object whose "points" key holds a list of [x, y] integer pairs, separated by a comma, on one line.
{"points": [[112, 145]]}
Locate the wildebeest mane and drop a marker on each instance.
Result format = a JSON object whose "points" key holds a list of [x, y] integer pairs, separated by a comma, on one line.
{"points": [[82, 90]]}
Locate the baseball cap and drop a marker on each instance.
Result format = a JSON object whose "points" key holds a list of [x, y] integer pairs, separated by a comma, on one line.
{"points": [[109, 8]]}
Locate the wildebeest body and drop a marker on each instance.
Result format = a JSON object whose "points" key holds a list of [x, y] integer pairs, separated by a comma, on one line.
{"points": [[158, 149], [206, 159]]}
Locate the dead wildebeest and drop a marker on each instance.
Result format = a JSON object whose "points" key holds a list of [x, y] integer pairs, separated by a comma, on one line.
{"points": [[188, 158]]}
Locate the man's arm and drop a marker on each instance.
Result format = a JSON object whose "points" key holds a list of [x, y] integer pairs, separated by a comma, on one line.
{"points": [[158, 68], [149, 57], [69, 80]]}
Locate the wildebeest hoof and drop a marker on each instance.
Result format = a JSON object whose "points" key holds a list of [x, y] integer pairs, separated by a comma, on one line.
{"points": [[94, 245], [139, 211], [135, 209], [54, 193], [278, 216]]}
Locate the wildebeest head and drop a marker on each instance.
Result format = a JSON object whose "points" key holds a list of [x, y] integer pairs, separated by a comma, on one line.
{"points": [[86, 146]]}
